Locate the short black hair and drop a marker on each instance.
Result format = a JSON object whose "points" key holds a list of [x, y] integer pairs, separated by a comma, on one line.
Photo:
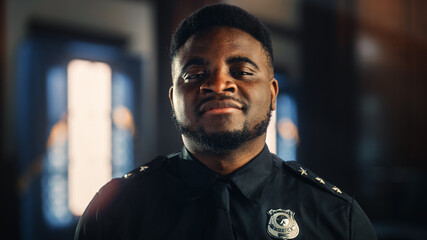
{"points": [[221, 15]]}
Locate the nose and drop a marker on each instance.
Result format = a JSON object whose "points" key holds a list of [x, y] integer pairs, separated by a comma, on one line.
{"points": [[219, 82]]}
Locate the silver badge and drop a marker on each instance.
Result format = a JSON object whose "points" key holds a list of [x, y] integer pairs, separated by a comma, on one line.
{"points": [[282, 224]]}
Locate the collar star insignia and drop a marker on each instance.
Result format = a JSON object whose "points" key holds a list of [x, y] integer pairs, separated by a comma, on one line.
{"points": [[336, 189], [143, 168], [320, 180], [302, 171], [128, 175]]}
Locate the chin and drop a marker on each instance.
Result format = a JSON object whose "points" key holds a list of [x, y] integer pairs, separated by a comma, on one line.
{"points": [[221, 129]]}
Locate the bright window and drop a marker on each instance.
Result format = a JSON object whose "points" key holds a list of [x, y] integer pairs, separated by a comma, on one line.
{"points": [[89, 126], [91, 129]]}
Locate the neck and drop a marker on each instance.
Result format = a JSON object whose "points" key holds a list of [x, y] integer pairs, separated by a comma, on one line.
{"points": [[227, 162]]}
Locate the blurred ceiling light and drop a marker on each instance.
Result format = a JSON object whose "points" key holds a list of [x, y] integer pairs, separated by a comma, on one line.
{"points": [[367, 49]]}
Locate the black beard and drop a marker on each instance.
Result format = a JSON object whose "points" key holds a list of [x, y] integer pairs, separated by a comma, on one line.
{"points": [[223, 142]]}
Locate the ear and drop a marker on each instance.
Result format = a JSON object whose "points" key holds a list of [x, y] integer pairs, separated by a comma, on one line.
{"points": [[171, 95], [274, 89]]}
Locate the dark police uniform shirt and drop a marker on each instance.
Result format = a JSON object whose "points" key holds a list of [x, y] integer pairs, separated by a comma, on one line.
{"points": [[177, 197]]}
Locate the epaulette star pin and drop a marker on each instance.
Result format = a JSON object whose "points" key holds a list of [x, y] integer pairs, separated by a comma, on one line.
{"points": [[302, 171], [336, 189], [143, 168]]}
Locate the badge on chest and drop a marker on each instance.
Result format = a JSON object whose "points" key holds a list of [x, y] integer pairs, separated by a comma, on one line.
{"points": [[282, 224]]}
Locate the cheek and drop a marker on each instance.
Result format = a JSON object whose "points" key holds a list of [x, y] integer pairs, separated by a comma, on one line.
{"points": [[177, 103], [181, 106], [260, 103]]}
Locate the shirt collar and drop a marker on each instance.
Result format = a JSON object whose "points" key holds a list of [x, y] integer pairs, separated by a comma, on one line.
{"points": [[249, 179]]}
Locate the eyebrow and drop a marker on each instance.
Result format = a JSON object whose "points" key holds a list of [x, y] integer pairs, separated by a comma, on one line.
{"points": [[194, 61], [202, 62], [241, 60]]}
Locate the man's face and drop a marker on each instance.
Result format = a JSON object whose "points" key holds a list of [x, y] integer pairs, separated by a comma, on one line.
{"points": [[222, 84]]}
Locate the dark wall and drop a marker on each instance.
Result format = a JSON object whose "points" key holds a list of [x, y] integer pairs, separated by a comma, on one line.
{"points": [[397, 78], [328, 93], [8, 168], [362, 106]]}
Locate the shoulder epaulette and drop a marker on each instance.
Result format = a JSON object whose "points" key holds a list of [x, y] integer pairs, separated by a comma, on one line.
{"points": [[145, 169], [305, 173]]}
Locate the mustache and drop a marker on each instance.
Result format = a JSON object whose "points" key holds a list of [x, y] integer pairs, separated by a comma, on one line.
{"points": [[220, 98]]}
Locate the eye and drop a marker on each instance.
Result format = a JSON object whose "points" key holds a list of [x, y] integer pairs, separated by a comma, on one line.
{"points": [[193, 76], [240, 73]]}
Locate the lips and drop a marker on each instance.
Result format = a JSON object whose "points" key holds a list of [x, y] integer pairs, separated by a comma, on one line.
{"points": [[215, 104]]}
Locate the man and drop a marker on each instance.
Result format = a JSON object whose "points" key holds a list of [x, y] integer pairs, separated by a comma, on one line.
{"points": [[224, 184]]}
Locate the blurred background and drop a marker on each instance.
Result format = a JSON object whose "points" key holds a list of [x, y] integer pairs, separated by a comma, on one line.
{"points": [[84, 98]]}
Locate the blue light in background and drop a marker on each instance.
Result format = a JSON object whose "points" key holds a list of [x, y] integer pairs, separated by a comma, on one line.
{"points": [[56, 94], [55, 163], [122, 91], [123, 125], [287, 122]]}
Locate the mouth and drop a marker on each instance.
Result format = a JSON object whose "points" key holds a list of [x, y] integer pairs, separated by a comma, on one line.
{"points": [[219, 107]]}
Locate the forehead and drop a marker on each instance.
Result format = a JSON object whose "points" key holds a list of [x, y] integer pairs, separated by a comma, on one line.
{"points": [[221, 42]]}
